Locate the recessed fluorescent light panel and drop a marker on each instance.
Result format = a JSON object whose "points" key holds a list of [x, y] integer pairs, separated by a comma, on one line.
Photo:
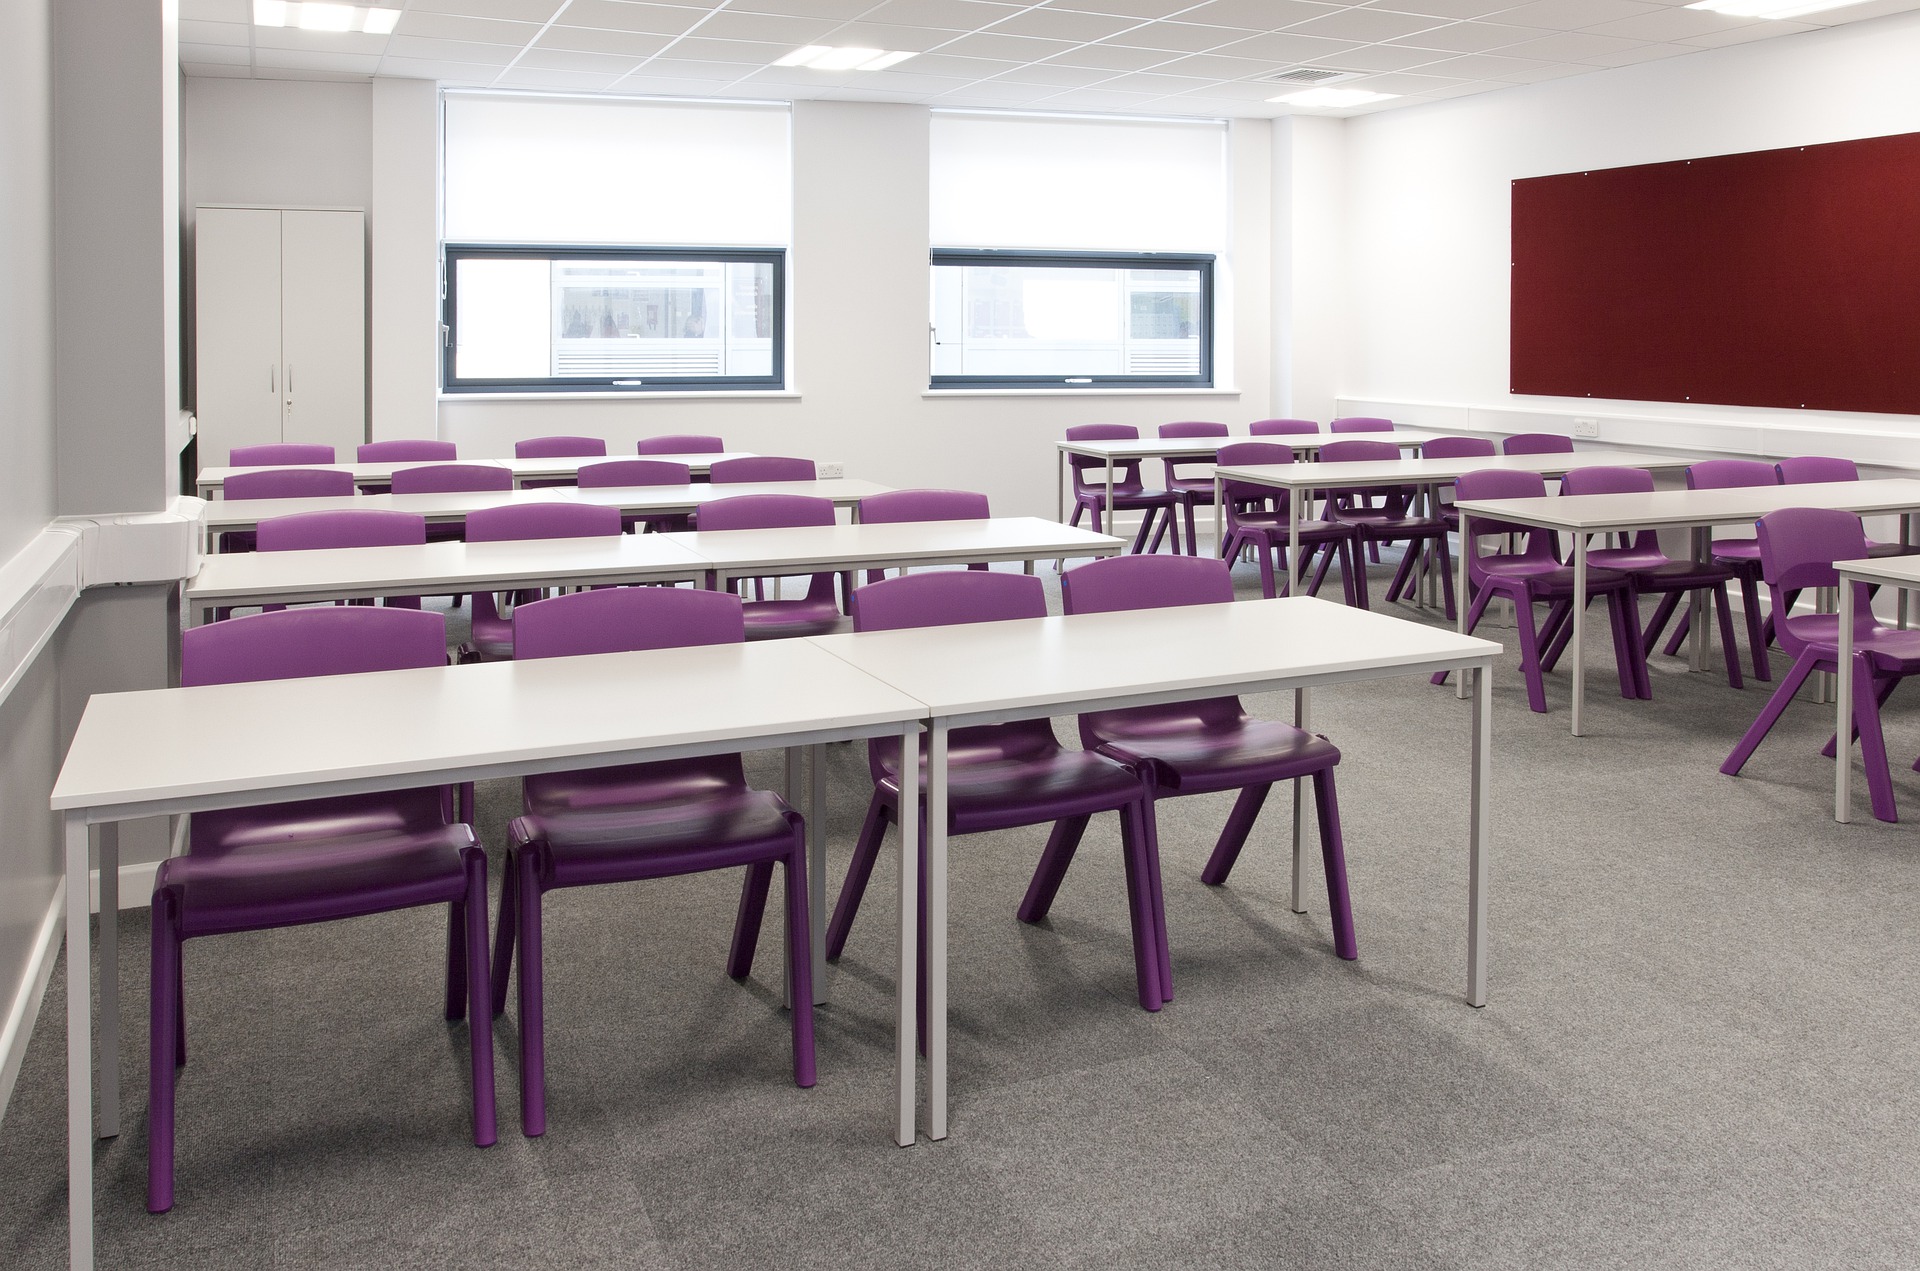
{"points": [[314, 15], [1775, 9], [1333, 98], [818, 57]]}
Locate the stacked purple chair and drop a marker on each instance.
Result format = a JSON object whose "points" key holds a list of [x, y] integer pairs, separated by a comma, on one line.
{"points": [[642, 821], [1535, 574], [1394, 521], [896, 506], [1455, 448], [1360, 423], [629, 472], [1283, 428], [1537, 443], [451, 478], [1798, 547], [557, 448], [279, 454], [761, 468], [1129, 495], [681, 444], [491, 637], [408, 450], [359, 527], [1000, 776], [1200, 747], [1815, 469], [1193, 491], [1741, 555], [1257, 519], [289, 864], [281, 483], [817, 612], [1652, 571]]}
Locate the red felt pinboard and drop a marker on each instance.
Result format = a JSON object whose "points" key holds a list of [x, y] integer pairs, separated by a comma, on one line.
{"points": [[1786, 278]]}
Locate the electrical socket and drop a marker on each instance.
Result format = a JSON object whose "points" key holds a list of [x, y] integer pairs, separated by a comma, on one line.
{"points": [[828, 471], [1586, 428]]}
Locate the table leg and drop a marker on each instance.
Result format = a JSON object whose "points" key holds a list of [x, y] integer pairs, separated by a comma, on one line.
{"points": [[109, 856], [1293, 542], [1906, 540], [1060, 485], [1302, 719], [1697, 615], [1843, 720], [1579, 620], [1220, 521], [1113, 517], [1478, 845], [937, 931], [79, 1050], [905, 1023], [1460, 605], [817, 866]]}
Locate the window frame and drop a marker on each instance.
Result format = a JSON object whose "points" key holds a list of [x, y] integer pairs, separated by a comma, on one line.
{"points": [[453, 253], [1204, 263]]}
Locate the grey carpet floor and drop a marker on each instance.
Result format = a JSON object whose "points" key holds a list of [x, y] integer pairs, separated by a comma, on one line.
{"points": [[1700, 1048]]}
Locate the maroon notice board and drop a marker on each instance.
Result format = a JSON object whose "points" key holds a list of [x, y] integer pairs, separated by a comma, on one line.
{"points": [[1786, 278]]}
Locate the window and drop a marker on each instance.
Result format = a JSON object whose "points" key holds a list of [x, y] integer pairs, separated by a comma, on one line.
{"points": [[614, 245], [1098, 270]]}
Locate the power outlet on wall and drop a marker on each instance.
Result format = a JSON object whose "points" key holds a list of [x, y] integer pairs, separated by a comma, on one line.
{"points": [[1586, 428], [828, 471]]}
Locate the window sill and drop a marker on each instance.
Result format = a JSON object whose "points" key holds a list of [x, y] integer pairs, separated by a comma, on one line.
{"points": [[750, 394], [1090, 391]]}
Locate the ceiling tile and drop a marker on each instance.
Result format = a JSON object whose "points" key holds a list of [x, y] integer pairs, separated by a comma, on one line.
{"points": [[654, 19], [1575, 15], [1570, 46], [1744, 34], [667, 86], [694, 68], [588, 40], [1012, 48], [922, 84], [696, 48], [1671, 24], [303, 60], [874, 35], [568, 60], [996, 93], [510, 10], [1059, 24], [309, 74], [1483, 66], [1257, 15], [838, 10], [1287, 49], [1216, 67], [773, 28], [353, 42], [216, 54], [1637, 53], [214, 70], [966, 68], [1180, 37], [451, 50], [1386, 57], [1114, 57], [240, 33], [1364, 25], [460, 73], [216, 10], [1470, 37], [559, 81], [1410, 83], [1054, 74], [1546, 71], [954, 15], [1444, 8], [1124, 8], [446, 26], [1158, 85]]}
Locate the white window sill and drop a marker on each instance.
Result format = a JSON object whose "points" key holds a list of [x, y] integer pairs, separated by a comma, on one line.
{"points": [[640, 396], [1089, 391]]}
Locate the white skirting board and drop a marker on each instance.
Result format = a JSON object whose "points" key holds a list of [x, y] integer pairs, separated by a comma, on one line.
{"points": [[17, 1031]]}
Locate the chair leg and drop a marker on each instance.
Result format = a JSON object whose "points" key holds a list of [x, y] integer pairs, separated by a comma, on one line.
{"points": [[1266, 570], [1662, 614], [1233, 835], [164, 1009], [457, 961], [1729, 647], [479, 1016], [1193, 539], [1530, 654], [746, 921], [1622, 606], [1756, 637], [866, 850], [1679, 636], [800, 960], [1333, 856], [1803, 666], [1355, 562], [503, 938], [1147, 814], [1873, 744], [1062, 843], [533, 1039], [1146, 955], [1883, 689]]}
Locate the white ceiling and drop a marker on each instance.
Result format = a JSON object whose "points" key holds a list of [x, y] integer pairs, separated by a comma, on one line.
{"points": [[1163, 57]]}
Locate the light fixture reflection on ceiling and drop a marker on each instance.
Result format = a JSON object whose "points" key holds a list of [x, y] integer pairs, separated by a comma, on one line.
{"points": [[317, 15], [1333, 98], [820, 57], [1773, 9]]}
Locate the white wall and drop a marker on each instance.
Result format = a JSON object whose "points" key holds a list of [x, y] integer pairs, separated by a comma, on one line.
{"points": [[1427, 204]]}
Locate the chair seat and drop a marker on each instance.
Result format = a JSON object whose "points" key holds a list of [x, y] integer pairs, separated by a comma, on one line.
{"points": [[1888, 650], [280, 885], [785, 619], [1208, 757], [1199, 489], [591, 837], [1545, 580], [1398, 527], [1739, 550], [1654, 571], [1273, 526], [1001, 793], [1879, 551]]}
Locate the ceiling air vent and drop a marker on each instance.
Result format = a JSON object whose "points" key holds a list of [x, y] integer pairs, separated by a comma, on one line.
{"points": [[1308, 75]]}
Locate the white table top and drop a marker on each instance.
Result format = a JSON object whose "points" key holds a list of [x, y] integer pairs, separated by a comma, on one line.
{"points": [[733, 553], [213, 480], [1898, 571], [1050, 665], [230, 514], [1317, 476], [1667, 508], [182, 749], [350, 572], [1206, 447]]}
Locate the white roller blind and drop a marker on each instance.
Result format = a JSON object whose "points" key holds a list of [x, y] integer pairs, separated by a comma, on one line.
{"points": [[523, 169], [1014, 181]]}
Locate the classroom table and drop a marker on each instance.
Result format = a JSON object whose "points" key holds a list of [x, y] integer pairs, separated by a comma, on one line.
{"points": [[993, 672], [734, 554], [1892, 571], [242, 579], [1121, 450], [220, 516], [228, 745], [1582, 515], [212, 481]]}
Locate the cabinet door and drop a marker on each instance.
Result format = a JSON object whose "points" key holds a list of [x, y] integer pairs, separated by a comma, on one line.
{"points": [[323, 325], [236, 348]]}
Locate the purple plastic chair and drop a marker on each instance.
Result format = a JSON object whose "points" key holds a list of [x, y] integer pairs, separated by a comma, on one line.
{"points": [[360, 527], [1193, 491], [1282, 427], [1003, 775], [1741, 555], [1797, 549], [615, 473], [1455, 448], [556, 448], [896, 506], [1534, 574], [406, 451], [1129, 495], [681, 444], [816, 613], [1652, 571], [761, 468], [289, 864], [1394, 521], [1537, 443], [446, 478], [1204, 746], [280, 483], [279, 454], [491, 636], [641, 821], [1360, 423], [1813, 469], [1257, 519]]}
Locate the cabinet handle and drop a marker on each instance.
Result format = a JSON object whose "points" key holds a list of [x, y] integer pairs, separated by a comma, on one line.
{"points": [[273, 379], [289, 379]]}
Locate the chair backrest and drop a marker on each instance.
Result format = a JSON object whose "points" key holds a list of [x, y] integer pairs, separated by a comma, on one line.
{"points": [[289, 483], [559, 447], [279, 454], [764, 512], [1193, 428], [1728, 474], [923, 505], [1537, 443], [1360, 423], [941, 600], [1358, 451], [1458, 448], [406, 451], [623, 619], [1500, 483], [761, 468], [296, 643], [615, 472], [1607, 481], [359, 527], [1145, 582], [1810, 469], [1282, 427], [684, 443], [1126, 472], [1252, 454], [444, 478], [542, 520], [1103, 432], [1797, 549]]}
